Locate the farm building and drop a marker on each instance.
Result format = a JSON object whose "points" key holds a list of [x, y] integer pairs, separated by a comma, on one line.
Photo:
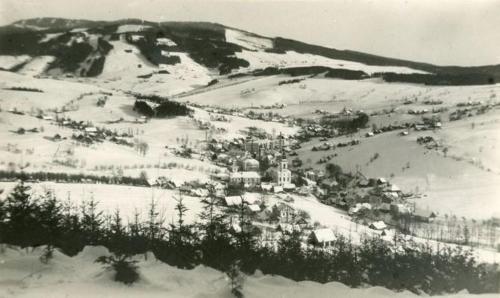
{"points": [[323, 238]]}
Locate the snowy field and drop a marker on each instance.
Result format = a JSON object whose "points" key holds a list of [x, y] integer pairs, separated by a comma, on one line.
{"points": [[446, 185], [335, 94], [7, 61]]}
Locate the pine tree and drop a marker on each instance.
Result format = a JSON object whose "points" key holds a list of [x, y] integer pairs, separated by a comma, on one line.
{"points": [[154, 226], [51, 218], [91, 221], [21, 217], [215, 242], [236, 279]]}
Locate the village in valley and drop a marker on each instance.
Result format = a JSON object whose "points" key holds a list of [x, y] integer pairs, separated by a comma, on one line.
{"points": [[280, 143]]}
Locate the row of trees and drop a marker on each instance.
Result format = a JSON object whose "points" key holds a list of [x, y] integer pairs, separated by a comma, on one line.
{"points": [[118, 178], [164, 109], [28, 221]]}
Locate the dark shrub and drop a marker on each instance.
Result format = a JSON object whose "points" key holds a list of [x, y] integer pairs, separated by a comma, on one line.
{"points": [[143, 108], [125, 269]]}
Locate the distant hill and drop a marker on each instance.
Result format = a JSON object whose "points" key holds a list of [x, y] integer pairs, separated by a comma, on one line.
{"points": [[80, 48]]}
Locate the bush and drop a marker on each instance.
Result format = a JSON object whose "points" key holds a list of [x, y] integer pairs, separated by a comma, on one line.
{"points": [[235, 279], [143, 108], [125, 269], [171, 108]]}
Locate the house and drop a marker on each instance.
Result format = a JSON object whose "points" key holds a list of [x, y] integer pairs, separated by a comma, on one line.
{"points": [[384, 207], [248, 179], [358, 207], [277, 189], [322, 238], [266, 186], [254, 208], [91, 130], [400, 209], [233, 201], [378, 225], [329, 184], [286, 212], [381, 181], [311, 175], [424, 215], [289, 186]]}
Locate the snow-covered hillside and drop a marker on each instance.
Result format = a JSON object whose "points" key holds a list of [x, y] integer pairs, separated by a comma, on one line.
{"points": [[248, 41], [23, 275], [261, 60]]}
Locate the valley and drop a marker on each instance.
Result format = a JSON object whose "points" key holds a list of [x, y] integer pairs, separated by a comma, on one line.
{"points": [[300, 138]]}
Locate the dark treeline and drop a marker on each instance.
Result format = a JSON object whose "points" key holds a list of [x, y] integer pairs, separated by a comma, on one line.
{"points": [[439, 79], [338, 73], [346, 123], [29, 221], [72, 178], [164, 109]]}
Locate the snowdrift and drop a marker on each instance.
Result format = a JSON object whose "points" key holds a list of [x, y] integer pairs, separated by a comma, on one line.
{"points": [[23, 275]]}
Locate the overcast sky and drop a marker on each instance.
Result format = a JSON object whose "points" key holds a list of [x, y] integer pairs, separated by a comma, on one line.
{"points": [[460, 32]]}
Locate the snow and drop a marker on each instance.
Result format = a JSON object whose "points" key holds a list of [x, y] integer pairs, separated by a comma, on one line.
{"points": [[7, 62], [55, 93], [131, 28], [50, 36], [23, 275], [37, 65], [121, 64], [247, 40], [261, 60], [324, 235], [128, 199]]}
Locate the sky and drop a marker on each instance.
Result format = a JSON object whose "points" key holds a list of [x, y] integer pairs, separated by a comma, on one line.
{"points": [[444, 32]]}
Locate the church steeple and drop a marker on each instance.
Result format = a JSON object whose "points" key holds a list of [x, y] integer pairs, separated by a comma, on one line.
{"points": [[234, 166]]}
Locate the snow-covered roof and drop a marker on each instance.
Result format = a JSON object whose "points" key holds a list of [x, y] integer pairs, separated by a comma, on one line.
{"points": [[324, 235], [265, 186], [251, 162], [254, 208], [378, 225], [245, 175], [233, 200], [382, 180], [394, 188]]}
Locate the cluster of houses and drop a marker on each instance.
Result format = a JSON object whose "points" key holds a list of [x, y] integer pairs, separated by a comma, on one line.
{"points": [[279, 218]]}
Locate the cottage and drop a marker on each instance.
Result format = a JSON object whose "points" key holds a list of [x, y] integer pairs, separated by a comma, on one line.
{"points": [[381, 181], [278, 189], [91, 130], [378, 225], [254, 208], [424, 215], [233, 201], [322, 238], [266, 186]]}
